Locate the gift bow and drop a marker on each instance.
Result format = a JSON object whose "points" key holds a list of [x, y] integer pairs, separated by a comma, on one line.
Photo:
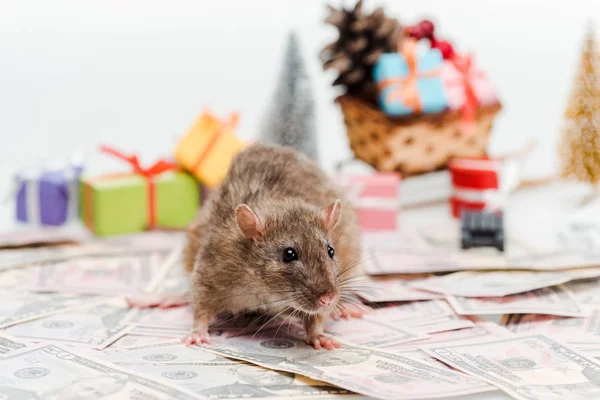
{"points": [[158, 168], [406, 88], [464, 65]]}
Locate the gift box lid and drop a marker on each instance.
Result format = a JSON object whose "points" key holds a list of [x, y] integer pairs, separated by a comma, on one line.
{"points": [[475, 173], [376, 185]]}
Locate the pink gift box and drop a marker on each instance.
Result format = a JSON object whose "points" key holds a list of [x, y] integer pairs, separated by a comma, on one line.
{"points": [[375, 199], [455, 91]]}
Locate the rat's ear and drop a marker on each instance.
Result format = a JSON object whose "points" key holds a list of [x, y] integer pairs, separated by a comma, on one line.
{"points": [[248, 222], [331, 214]]}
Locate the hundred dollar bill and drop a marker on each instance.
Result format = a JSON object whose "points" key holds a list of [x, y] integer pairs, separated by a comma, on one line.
{"points": [[172, 351], [527, 367], [422, 317], [101, 275], [555, 300], [211, 375], [396, 288], [360, 370], [371, 332], [580, 332], [482, 331], [17, 279], [20, 306], [499, 283], [52, 372], [95, 327]]}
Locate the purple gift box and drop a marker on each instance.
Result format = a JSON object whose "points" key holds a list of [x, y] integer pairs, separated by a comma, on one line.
{"points": [[48, 197]]}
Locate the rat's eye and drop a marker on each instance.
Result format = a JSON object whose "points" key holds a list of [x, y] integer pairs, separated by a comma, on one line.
{"points": [[290, 254], [330, 251]]}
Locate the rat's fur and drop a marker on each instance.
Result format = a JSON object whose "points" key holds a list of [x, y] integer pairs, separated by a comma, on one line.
{"points": [[290, 195]]}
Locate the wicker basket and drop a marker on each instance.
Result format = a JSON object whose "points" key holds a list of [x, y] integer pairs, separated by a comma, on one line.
{"points": [[413, 145]]}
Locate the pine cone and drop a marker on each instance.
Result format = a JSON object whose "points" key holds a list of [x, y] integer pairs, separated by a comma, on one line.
{"points": [[362, 39]]}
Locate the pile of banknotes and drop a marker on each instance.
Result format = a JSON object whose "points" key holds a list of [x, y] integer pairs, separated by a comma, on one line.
{"points": [[442, 324]]}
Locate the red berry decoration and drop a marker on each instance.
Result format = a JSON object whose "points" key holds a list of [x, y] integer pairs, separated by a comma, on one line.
{"points": [[445, 48], [427, 28], [415, 31]]}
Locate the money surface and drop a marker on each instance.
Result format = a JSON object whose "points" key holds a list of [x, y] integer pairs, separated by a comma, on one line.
{"points": [[123, 275], [95, 327], [527, 367], [580, 332], [365, 371], [555, 300], [19, 306], [35, 236], [211, 375], [53, 372]]}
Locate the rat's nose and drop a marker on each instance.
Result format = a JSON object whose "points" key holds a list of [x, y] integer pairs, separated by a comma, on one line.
{"points": [[327, 299]]}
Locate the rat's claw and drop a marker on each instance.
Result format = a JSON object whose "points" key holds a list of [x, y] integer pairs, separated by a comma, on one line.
{"points": [[151, 300], [173, 300], [196, 338], [322, 341]]}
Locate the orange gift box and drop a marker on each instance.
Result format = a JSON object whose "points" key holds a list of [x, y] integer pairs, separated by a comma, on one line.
{"points": [[208, 148]]}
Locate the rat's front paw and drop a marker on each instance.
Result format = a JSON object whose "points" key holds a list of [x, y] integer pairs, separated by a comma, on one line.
{"points": [[196, 337], [322, 341]]}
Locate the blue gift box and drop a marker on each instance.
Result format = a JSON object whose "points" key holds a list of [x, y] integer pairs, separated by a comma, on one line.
{"points": [[48, 195], [411, 85]]}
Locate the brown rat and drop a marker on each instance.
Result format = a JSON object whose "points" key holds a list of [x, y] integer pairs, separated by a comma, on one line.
{"points": [[276, 236]]}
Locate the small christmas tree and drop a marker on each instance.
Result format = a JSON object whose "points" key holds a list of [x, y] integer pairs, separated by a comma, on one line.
{"points": [[580, 147], [290, 121]]}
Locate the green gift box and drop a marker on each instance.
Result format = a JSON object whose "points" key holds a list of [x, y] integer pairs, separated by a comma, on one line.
{"points": [[157, 197]]}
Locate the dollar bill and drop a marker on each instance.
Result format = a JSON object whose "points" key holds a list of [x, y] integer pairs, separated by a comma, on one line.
{"points": [[29, 256], [101, 275], [171, 333], [580, 332], [53, 372], [555, 300], [95, 327], [499, 283], [371, 331], [482, 331], [527, 367], [396, 288], [17, 279], [10, 345], [20, 306], [365, 371]]}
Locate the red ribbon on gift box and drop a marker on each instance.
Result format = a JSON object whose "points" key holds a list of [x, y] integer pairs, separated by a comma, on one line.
{"points": [[464, 65], [158, 168], [406, 88]]}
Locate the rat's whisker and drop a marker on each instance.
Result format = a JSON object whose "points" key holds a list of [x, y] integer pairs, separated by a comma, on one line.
{"points": [[269, 321], [342, 270]]}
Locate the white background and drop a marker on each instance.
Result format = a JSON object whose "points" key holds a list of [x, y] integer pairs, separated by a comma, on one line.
{"points": [[135, 73]]}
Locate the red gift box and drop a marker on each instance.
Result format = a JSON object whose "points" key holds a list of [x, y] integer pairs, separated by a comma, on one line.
{"points": [[375, 198]]}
